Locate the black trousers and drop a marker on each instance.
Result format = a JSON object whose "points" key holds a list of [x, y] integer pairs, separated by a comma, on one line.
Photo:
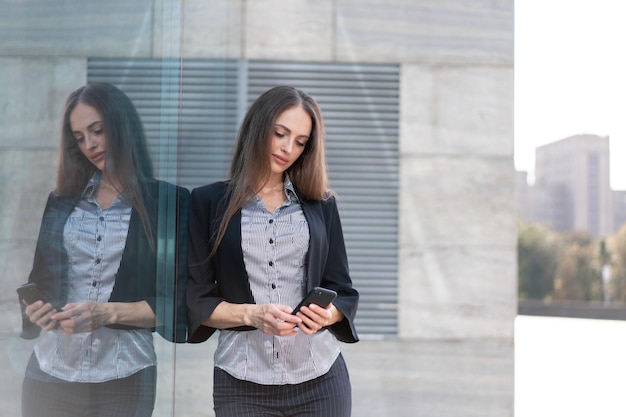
{"points": [[329, 395], [133, 396]]}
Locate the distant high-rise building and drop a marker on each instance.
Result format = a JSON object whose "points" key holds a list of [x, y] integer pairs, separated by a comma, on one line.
{"points": [[619, 209], [572, 185]]}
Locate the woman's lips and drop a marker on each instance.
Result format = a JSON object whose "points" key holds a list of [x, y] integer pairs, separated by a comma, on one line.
{"points": [[97, 157], [279, 160]]}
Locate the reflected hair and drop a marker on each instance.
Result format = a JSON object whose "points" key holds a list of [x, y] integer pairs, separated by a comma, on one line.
{"points": [[251, 168], [128, 161]]}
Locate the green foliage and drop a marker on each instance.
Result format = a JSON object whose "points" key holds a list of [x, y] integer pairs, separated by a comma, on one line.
{"points": [[616, 248], [578, 277], [537, 254], [559, 266]]}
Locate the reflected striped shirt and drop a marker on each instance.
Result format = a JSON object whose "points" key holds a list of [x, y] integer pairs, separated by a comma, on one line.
{"points": [[95, 239], [275, 247]]}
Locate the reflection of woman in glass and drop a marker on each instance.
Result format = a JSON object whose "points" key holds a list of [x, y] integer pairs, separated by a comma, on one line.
{"points": [[258, 242], [101, 256]]}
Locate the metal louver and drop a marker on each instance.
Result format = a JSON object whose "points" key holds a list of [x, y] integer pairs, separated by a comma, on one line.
{"points": [[191, 123]]}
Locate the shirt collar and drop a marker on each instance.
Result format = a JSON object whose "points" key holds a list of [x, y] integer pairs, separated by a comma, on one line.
{"points": [[92, 185], [89, 193], [290, 190]]}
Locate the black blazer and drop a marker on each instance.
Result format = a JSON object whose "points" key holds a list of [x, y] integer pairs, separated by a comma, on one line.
{"points": [[157, 275], [224, 276]]}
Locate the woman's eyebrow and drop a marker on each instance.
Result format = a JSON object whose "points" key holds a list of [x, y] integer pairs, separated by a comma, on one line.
{"points": [[289, 130], [284, 127], [88, 127]]}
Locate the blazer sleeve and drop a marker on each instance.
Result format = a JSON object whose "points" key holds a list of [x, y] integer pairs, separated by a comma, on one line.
{"points": [[202, 289], [157, 273], [50, 259], [38, 273], [171, 274], [336, 275]]}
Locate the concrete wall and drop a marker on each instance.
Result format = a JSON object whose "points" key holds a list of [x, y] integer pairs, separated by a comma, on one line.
{"points": [[457, 217], [34, 90], [457, 265], [457, 272], [457, 214]]}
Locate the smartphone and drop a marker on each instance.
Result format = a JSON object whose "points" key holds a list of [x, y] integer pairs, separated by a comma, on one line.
{"points": [[31, 292], [318, 295]]}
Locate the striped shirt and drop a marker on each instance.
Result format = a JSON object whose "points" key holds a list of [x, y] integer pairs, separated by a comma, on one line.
{"points": [[94, 240], [275, 246]]}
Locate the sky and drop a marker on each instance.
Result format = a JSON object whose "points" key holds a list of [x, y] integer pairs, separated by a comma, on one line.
{"points": [[570, 76]]}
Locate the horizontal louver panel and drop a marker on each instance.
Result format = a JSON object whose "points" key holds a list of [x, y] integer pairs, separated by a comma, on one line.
{"points": [[190, 121], [192, 134], [360, 104]]}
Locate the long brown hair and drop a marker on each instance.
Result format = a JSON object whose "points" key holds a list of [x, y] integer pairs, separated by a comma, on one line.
{"points": [[251, 167], [127, 158]]}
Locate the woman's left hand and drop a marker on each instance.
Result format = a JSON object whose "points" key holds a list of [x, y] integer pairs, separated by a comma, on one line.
{"points": [[315, 318], [84, 316], [87, 316]]}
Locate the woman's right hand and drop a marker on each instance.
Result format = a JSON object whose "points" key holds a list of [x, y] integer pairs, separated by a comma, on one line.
{"points": [[274, 319], [41, 315]]}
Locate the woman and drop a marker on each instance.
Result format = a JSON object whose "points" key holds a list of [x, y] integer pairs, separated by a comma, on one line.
{"points": [[258, 243], [104, 254]]}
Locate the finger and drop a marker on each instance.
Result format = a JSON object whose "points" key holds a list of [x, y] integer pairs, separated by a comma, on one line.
{"points": [[69, 326], [278, 327], [289, 331], [65, 314], [321, 311], [32, 308], [305, 329], [288, 318], [310, 322], [306, 313], [285, 314], [39, 312], [45, 321], [51, 325]]}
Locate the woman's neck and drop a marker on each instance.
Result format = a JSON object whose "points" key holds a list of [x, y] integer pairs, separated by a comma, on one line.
{"points": [[273, 184], [272, 194], [108, 183]]}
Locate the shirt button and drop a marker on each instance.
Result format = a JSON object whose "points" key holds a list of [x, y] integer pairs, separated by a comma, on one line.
{"points": [[99, 238], [271, 263], [93, 284], [271, 221], [97, 261], [271, 241], [101, 218], [273, 286]]}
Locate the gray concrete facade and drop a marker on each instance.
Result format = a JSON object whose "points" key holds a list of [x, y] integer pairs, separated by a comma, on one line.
{"points": [[457, 217]]}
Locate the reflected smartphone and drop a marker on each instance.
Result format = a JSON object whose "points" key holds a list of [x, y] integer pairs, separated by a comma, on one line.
{"points": [[318, 295], [31, 292]]}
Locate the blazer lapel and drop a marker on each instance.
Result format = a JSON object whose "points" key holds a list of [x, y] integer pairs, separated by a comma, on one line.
{"points": [[231, 252], [317, 243]]}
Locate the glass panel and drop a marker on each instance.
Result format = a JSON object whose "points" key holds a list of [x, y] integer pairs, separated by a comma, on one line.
{"points": [[46, 49], [419, 134]]}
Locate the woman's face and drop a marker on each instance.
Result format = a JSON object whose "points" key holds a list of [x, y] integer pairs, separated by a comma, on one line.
{"points": [[291, 134], [88, 129]]}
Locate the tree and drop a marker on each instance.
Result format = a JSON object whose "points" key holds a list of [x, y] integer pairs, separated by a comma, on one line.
{"points": [[578, 275], [537, 257], [616, 245], [553, 265]]}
